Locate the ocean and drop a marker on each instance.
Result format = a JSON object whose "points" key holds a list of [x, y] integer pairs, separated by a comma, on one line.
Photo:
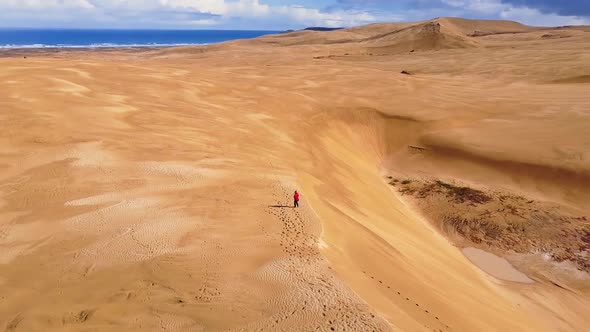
{"points": [[69, 38]]}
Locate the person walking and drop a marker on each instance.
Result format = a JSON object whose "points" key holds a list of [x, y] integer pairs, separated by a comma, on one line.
{"points": [[295, 199]]}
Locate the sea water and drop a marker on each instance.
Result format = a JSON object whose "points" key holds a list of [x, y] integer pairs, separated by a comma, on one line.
{"points": [[72, 38]]}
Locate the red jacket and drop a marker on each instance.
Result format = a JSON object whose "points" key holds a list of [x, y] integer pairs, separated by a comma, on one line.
{"points": [[296, 196]]}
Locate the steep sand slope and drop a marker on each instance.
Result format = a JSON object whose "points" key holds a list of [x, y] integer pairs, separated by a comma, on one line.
{"points": [[150, 191], [440, 33], [426, 36], [483, 27]]}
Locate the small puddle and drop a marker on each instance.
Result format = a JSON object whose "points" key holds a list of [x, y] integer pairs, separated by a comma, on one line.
{"points": [[495, 266]]}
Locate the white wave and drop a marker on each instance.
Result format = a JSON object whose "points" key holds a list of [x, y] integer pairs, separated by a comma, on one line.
{"points": [[100, 45]]}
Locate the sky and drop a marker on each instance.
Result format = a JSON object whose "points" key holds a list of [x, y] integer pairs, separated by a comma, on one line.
{"points": [[277, 14]]}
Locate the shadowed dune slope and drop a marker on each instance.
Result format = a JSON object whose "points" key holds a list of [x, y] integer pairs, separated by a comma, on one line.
{"points": [[483, 27], [423, 37]]}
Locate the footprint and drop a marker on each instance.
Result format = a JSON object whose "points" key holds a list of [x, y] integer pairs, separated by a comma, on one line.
{"points": [[14, 323], [79, 317]]}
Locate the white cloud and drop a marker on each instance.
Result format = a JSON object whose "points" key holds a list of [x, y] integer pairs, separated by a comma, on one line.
{"points": [[248, 8], [218, 7], [249, 14], [311, 16], [151, 13], [45, 4], [499, 9], [480, 6], [535, 17]]}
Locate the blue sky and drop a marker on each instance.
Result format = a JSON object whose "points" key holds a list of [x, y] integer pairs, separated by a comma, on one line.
{"points": [[277, 14]]}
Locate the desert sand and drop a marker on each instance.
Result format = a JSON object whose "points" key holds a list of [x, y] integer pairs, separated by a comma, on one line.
{"points": [[150, 190]]}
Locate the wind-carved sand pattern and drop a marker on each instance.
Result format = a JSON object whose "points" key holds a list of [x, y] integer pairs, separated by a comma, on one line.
{"points": [[89, 154], [320, 295], [69, 87], [131, 230], [185, 174], [80, 72], [15, 239], [116, 104], [96, 200], [133, 225]]}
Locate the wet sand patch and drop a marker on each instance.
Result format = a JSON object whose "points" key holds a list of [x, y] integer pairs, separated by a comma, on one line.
{"points": [[495, 266]]}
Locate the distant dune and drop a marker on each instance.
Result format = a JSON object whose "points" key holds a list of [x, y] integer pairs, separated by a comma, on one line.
{"points": [[440, 33], [322, 29], [394, 38]]}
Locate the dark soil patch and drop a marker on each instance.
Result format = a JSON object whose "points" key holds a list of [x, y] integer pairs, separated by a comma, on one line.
{"points": [[464, 194], [501, 220]]}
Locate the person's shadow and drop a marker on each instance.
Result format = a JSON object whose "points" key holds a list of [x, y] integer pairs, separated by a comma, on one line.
{"points": [[280, 206]]}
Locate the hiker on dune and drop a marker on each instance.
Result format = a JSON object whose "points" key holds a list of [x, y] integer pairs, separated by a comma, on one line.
{"points": [[296, 199]]}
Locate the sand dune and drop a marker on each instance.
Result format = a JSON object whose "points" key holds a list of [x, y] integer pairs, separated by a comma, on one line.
{"points": [[427, 36], [484, 27], [149, 190]]}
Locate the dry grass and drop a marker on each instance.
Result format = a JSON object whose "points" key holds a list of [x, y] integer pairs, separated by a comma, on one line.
{"points": [[503, 220]]}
